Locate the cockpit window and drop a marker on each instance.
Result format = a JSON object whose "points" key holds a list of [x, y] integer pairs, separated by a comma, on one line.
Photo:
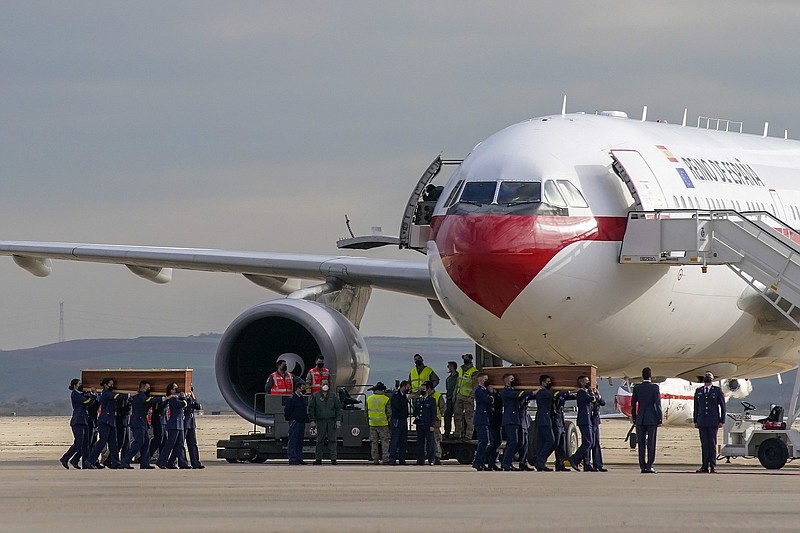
{"points": [[572, 194], [478, 192], [552, 196], [519, 192], [453, 195]]}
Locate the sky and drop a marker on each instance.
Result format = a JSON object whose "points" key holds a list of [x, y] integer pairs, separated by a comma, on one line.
{"points": [[259, 125]]}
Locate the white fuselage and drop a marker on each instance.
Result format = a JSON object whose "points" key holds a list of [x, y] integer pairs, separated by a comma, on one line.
{"points": [[545, 286]]}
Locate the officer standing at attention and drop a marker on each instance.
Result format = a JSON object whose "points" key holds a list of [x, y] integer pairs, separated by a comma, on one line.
{"points": [[646, 414], [425, 420], [379, 411], [106, 426], [451, 382], [545, 440], [399, 424], [296, 414], [441, 406], [559, 427], [495, 430], [173, 443], [585, 401], [316, 375], [464, 407], [709, 416], [512, 400], [140, 405], [597, 453], [420, 374], [80, 426], [280, 381], [190, 429], [481, 420], [325, 413]]}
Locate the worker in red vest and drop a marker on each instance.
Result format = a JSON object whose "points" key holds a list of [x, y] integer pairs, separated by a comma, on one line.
{"points": [[280, 381], [318, 374]]}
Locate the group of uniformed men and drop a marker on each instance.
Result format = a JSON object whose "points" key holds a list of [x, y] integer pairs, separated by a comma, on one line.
{"points": [[119, 422]]}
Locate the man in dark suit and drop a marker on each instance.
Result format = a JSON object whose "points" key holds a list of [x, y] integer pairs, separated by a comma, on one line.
{"points": [[646, 414], [545, 439], [709, 416], [107, 426], [584, 400], [296, 414], [173, 443], [597, 452], [190, 429], [559, 427], [512, 403], [425, 419], [481, 420], [398, 424]]}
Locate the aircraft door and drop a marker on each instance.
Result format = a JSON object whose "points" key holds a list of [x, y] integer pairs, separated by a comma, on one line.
{"points": [[642, 183]]}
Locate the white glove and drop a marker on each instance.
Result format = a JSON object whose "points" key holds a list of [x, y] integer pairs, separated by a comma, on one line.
{"points": [[338, 424]]}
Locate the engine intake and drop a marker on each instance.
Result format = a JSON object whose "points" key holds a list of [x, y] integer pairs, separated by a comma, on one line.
{"points": [[299, 330]]}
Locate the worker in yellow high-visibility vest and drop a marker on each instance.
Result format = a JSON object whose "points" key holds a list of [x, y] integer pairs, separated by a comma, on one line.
{"points": [[441, 407], [420, 374], [379, 411], [464, 408]]}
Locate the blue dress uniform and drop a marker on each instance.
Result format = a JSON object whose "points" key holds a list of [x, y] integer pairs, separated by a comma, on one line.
{"points": [[157, 423], [140, 405], [545, 440], [495, 431], [175, 438], [80, 429], [584, 400], [709, 413], [398, 442], [559, 427], [107, 428], [190, 431], [597, 452], [481, 420], [296, 413], [512, 400], [646, 414], [425, 413]]}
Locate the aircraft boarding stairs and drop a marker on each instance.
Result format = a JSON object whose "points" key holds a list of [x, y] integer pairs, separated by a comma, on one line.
{"points": [[758, 247]]}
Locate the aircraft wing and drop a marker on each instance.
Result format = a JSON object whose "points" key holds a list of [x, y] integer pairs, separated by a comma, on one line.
{"points": [[408, 277]]}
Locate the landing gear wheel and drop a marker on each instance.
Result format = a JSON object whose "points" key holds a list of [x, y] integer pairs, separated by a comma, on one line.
{"points": [[572, 439], [772, 454], [464, 454]]}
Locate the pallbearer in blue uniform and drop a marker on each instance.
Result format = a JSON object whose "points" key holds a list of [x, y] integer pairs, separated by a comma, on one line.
{"points": [[190, 429], [545, 439], [597, 452], [512, 402], [584, 400], [709, 416], [559, 427], [481, 420], [106, 426], [140, 405], [495, 430], [80, 427], [646, 414], [176, 403]]}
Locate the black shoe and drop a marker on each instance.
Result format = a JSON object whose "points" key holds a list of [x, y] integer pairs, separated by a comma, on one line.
{"points": [[98, 466], [702, 470], [712, 470], [185, 467], [148, 467], [543, 468], [569, 464], [437, 462], [116, 467], [524, 466], [76, 466], [562, 469], [377, 462], [64, 463], [317, 461], [601, 469], [334, 462], [198, 467], [589, 469], [511, 468], [651, 471], [126, 466], [162, 467], [494, 468], [479, 468]]}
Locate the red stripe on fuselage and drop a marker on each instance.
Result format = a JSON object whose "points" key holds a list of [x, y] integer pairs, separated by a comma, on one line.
{"points": [[492, 258]]}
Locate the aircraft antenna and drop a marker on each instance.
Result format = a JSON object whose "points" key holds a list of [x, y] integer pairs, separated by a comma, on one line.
{"points": [[347, 223], [785, 134], [61, 322], [685, 111], [564, 106], [766, 129], [644, 114]]}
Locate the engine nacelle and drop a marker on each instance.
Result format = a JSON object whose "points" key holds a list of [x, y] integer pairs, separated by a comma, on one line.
{"points": [[298, 330]]}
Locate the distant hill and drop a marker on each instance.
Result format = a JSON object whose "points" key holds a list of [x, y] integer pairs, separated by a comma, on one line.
{"points": [[35, 380]]}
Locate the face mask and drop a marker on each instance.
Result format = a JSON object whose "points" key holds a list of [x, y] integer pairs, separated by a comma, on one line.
{"points": [[423, 393], [320, 365], [548, 386], [586, 386], [80, 388], [282, 368], [418, 363], [325, 388], [707, 381], [111, 387]]}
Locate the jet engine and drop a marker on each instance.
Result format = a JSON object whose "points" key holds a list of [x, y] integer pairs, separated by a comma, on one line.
{"points": [[294, 330]]}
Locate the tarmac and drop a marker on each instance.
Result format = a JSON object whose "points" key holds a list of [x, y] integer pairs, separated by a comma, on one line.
{"points": [[37, 494]]}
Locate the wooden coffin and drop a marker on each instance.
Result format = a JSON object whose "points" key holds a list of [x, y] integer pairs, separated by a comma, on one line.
{"points": [[565, 377], [127, 380]]}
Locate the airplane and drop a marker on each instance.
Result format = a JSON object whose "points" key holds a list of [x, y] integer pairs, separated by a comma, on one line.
{"points": [[522, 251], [677, 398]]}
